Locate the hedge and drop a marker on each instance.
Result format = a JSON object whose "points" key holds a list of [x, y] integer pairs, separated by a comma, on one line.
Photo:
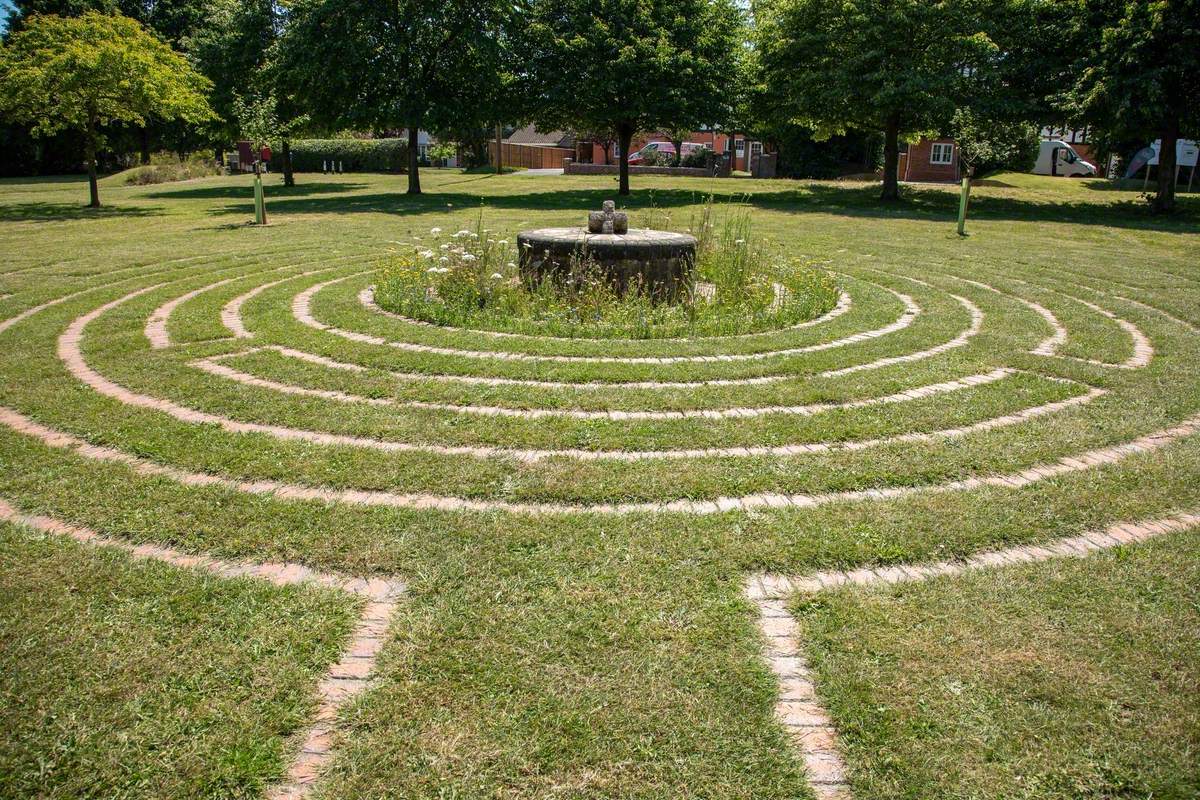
{"points": [[356, 155]]}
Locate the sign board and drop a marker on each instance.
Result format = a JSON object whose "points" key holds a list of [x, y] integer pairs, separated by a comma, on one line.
{"points": [[1186, 152]]}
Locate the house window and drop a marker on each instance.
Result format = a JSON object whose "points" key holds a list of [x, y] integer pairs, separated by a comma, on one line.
{"points": [[941, 153], [741, 147]]}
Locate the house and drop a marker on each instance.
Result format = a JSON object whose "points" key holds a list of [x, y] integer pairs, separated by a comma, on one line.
{"points": [[930, 161]]}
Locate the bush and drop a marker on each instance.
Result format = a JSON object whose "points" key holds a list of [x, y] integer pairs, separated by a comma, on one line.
{"points": [[355, 155], [166, 168], [655, 158], [697, 158]]}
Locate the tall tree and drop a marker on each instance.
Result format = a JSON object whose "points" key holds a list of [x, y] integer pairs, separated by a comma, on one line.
{"points": [[384, 65], [85, 72], [629, 65], [894, 66], [1138, 75], [232, 50]]}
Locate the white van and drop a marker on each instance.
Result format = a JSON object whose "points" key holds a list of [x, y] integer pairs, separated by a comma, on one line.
{"points": [[1057, 157]]}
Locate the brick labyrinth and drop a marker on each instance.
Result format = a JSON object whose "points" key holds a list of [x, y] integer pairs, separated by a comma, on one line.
{"points": [[286, 351]]}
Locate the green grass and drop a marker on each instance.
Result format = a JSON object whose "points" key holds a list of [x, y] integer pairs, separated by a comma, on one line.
{"points": [[124, 679], [1074, 679], [589, 655]]}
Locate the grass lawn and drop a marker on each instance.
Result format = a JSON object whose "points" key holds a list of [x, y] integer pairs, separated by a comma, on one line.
{"points": [[574, 520], [1075, 678]]}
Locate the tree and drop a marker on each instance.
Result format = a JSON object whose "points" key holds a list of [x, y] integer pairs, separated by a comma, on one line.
{"points": [[605, 137], [85, 72], [629, 65], [1138, 76], [232, 50], [381, 65], [987, 144], [895, 66]]}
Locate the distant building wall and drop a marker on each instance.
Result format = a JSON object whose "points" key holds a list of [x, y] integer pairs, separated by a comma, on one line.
{"points": [[926, 162]]}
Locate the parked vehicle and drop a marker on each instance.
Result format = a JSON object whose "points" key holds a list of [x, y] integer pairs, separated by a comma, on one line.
{"points": [[666, 148], [1056, 157]]}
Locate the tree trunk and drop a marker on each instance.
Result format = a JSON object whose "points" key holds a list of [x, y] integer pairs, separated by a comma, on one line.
{"points": [[1164, 198], [624, 139], [289, 178], [499, 148], [678, 152], [90, 155], [414, 176], [145, 154], [891, 159], [606, 146]]}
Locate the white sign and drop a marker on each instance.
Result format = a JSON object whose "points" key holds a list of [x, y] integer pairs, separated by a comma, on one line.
{"points": [[1186, 152]]}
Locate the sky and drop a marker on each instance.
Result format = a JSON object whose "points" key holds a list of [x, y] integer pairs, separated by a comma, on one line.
{"points": [[5, 7]]}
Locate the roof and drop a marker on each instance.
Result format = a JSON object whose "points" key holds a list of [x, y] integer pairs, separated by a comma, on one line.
{"points": [[530, 135]]}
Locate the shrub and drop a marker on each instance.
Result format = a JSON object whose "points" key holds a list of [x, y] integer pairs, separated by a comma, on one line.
{"points": [[655, 158], [166, 167], [355, 155], [697, 158]]}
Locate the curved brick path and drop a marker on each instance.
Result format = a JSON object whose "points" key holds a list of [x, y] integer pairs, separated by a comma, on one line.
{"points": [[345, 679]]}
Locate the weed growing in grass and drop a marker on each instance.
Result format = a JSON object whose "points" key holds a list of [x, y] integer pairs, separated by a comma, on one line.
{"points": [[470, 279]]}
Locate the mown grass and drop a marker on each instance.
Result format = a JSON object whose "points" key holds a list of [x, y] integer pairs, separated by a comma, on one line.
{"points": [[124, 679], [586, 655], [1073, 679]]}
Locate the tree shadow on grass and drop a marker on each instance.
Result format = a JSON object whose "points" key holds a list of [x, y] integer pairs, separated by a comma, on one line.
{"points": [[932, 204], [246, 191], [62, 212]]}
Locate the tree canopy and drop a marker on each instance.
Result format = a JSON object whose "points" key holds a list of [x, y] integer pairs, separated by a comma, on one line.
{"points": [[386, 65], [1137, 73], [629, 65], [89, 71], [895, 66]]}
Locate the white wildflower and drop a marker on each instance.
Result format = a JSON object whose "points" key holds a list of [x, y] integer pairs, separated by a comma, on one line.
{"points": [[435, 231], [426, 254], [445, 247], [739, 241], [468, 257], [444, 260], [497, 276], [511, 265], [502, 242], [432, 270]]}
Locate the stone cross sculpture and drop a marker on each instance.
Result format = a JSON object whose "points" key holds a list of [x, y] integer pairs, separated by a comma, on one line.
{"points": [[609, 220]]}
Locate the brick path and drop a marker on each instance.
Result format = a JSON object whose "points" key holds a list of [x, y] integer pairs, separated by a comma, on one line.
{"points": [[345, 679], [799, 707]]}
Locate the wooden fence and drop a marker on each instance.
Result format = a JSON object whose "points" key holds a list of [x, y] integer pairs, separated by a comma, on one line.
{"points": [[531, 156]]}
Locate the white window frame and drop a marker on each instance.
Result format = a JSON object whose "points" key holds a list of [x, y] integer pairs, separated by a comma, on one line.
{"points": [[941, 147], [740, 147]]}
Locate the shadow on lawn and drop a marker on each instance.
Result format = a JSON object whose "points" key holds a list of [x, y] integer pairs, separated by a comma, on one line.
{"points": [[61, 212], [245, 191], [852, 201]]}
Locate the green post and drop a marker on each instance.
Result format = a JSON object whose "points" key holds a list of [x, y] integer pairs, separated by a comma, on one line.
{"points": [[260, 207], [962, 205]]}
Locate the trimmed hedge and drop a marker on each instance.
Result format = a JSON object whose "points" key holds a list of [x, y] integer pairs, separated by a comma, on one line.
{"points": [[356, 155]]}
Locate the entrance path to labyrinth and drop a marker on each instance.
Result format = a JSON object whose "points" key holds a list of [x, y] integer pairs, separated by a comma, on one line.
{"points": [[573, 559]]}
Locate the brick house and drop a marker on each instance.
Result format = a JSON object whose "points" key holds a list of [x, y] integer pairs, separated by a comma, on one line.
{"points": [[930, 161]]}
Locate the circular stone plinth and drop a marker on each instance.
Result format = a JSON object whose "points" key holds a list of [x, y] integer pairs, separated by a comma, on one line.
{"points": [[658, 262]]}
